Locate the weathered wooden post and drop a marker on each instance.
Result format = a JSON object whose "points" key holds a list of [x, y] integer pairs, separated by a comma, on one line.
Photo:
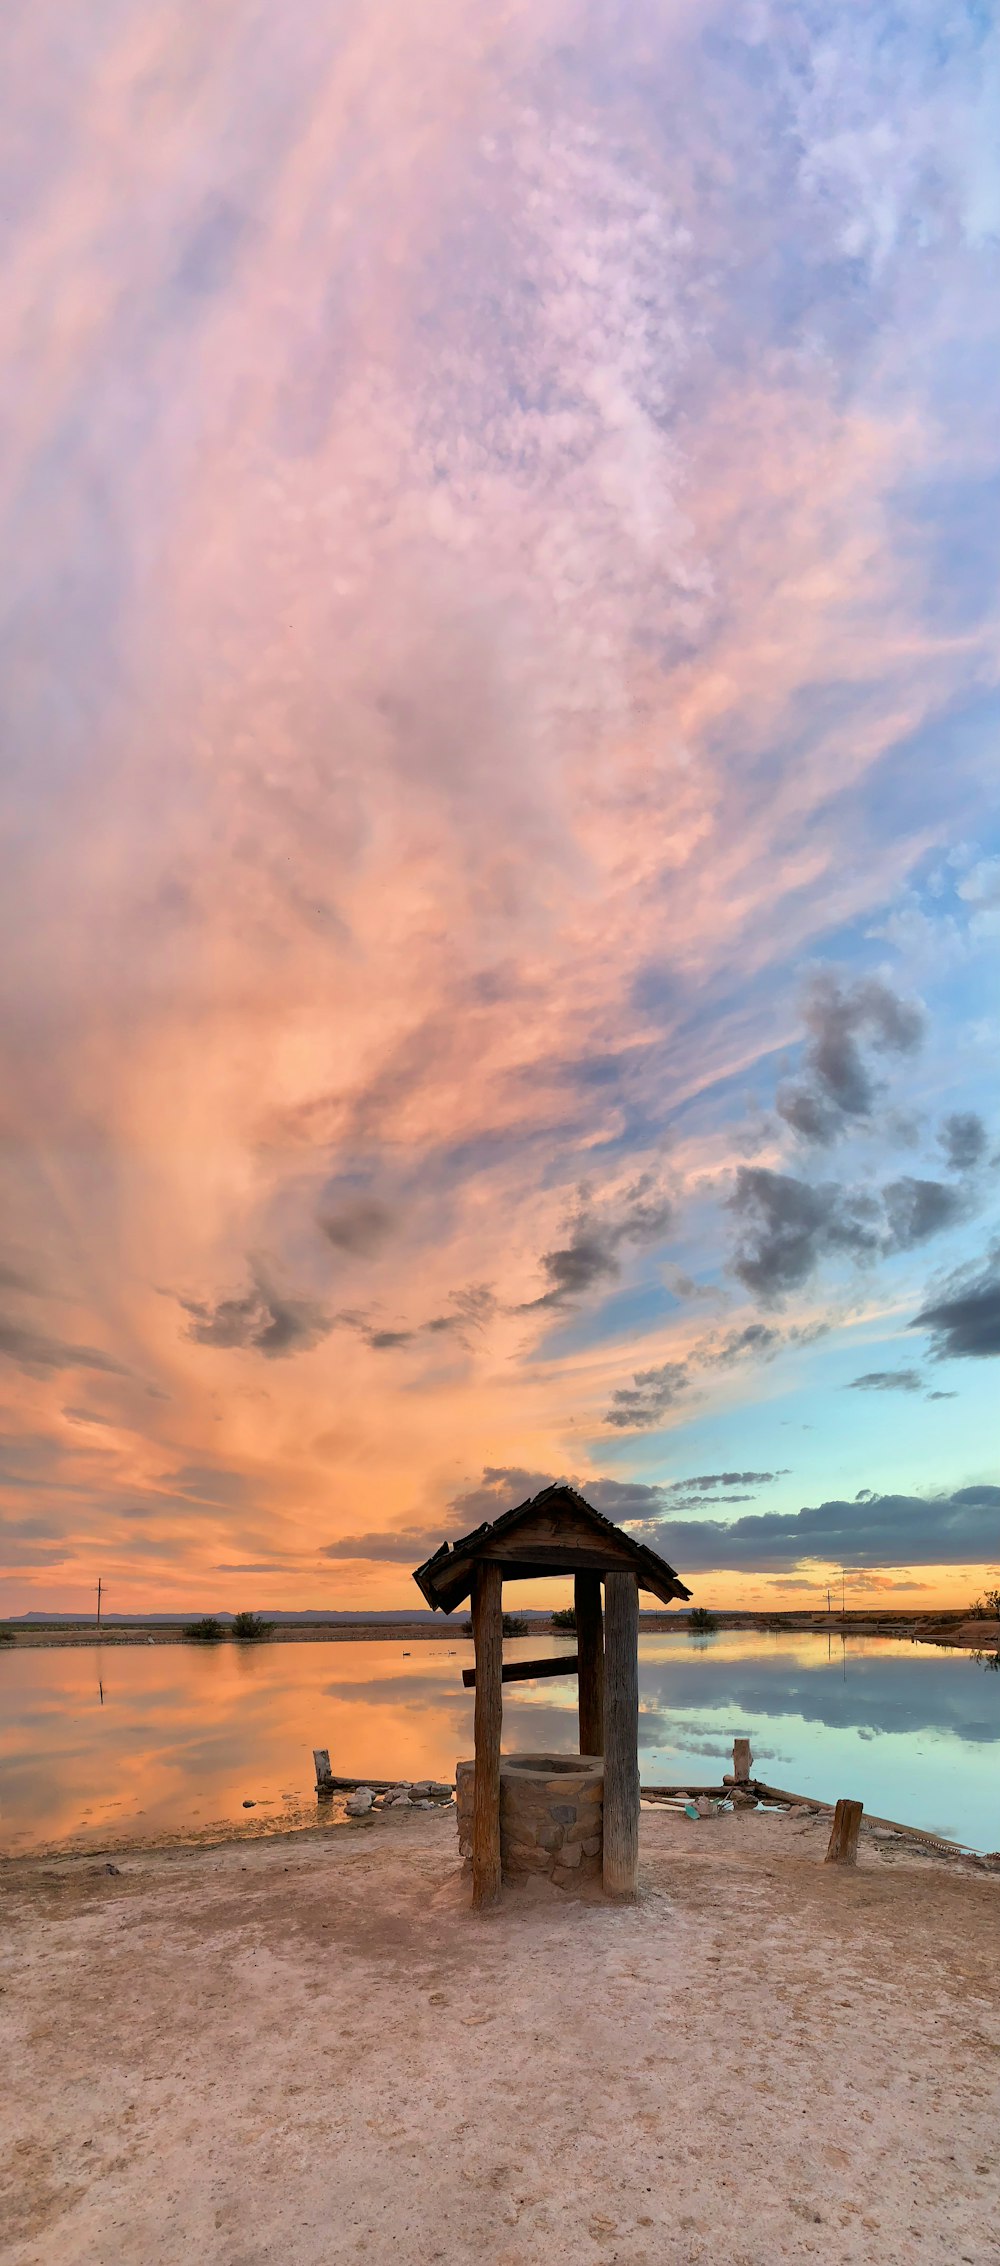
{"points": [[621, 1735], [324, 1775], [843, 1846], [590, 1660], [487, 1631], [742, 1759]]}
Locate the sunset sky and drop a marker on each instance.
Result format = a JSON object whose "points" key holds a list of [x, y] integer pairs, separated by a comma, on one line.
{"points": [[501, 743]]}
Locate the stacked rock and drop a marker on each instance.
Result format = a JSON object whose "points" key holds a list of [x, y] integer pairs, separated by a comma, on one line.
{"points": [[551, 1818]]}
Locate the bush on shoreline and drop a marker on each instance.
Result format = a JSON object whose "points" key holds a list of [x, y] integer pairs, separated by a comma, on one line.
{"points": [[248, 1628], [208, 1631], [565, 1618], [513, 1626], [700, 1618], [987, 1607]]}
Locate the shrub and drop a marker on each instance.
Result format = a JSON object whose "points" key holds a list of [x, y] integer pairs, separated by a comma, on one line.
{"points": [[987, 1607], [248, 1628], [208, 1631], [513, 1626], [565, 1618], [700, 1618], [6, 1636]]}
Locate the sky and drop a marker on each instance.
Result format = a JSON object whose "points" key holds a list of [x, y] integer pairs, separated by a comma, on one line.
{"points": [[500, 518]]}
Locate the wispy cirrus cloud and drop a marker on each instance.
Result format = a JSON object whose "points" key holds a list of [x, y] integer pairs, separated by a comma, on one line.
{"points": [[435, 759]]}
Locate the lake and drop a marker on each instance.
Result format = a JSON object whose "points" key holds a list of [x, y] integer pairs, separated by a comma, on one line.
{"points": [[107, 1745]]}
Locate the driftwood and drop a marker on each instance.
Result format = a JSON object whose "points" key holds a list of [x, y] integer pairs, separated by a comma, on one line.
{"points": [[621, 1735], [524, 1671]]}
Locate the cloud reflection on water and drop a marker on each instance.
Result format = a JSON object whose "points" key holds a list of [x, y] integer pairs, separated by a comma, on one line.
{"points": [[183, 1737]]}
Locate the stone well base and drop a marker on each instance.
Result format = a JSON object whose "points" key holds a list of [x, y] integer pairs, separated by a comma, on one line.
{"points": [[551, 1817]]}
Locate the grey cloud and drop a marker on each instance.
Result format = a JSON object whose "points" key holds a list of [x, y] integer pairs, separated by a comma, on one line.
{"points": [[963, 1138], [501, 1487], [965, 1323], [472, 1308], [592, 1253], [755, 1338], [941, 1396], [33, 1350], [838, 1085], [652, 1392], [881, 1530], [14, 1278], [262, 1320], [402, 1549], [917, 1209], [723, 1479], [887, 1381], [789, 1225], [359, 1228]]}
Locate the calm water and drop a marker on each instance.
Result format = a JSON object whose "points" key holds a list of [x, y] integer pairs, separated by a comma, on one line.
{"points": [[105, 1745]]}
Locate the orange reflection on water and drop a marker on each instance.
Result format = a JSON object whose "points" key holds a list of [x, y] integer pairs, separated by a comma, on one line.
{"points": [[107, 1743]]}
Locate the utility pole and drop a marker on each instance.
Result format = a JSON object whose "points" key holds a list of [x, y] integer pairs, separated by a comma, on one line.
{"points": [[100, 1586]]}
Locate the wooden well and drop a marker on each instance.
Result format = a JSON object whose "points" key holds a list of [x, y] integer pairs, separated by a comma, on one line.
{"points": [[556, 1532]]}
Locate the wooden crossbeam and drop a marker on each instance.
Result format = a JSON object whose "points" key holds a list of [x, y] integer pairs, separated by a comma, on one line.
{"points": [[521, 1671]]}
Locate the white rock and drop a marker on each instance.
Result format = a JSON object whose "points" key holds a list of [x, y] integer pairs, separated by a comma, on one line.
{"points": [[360, 1802]]}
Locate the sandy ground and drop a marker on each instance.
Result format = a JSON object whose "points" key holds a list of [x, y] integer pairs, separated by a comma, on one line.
{"points": [[310, 2050]]}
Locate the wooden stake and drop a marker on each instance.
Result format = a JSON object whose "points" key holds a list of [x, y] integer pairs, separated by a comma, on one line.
{"points": [[621, 1735], [487, 1630], [742, 1759], [843, 1849], [324, 1777], [590, 1656]]}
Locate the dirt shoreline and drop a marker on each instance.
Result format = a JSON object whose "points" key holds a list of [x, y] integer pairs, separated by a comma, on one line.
{"points": [[310, 2050], [964, 1634]]}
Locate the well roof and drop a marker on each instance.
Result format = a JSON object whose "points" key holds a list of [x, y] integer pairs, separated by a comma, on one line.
{"points": [[555, 1532]]}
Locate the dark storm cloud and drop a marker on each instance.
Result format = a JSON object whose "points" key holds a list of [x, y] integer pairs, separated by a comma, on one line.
{"points": [[34, 1350], [652, 1392], [963, 1137], [787, 1226], [262, 1320], [965, 1323], [886, 1381], [838, 1086], [596, 1238], [882, 1530]]}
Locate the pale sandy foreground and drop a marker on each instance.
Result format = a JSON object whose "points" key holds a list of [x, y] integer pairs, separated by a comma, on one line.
{"points": [[308, 2050]]}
